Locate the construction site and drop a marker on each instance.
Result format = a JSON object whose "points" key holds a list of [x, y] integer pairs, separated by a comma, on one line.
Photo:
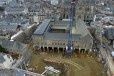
{"points": [[57, 38], [80, 64]]}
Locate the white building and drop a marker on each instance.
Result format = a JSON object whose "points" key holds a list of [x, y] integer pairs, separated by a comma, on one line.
{"points": [[5, 61]]}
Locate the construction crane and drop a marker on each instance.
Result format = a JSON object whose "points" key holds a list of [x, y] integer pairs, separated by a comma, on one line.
{"points": [[69, 47]]}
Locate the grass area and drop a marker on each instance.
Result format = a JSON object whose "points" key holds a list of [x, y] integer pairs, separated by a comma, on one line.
{"points": [[82, 65], [14, 55]]}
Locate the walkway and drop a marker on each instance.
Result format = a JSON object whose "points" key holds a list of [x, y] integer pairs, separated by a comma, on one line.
{"points": [[110, 61]]}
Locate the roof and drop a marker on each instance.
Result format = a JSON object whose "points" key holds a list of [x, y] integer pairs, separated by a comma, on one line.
{"points": [[11, 23], [42, 27], [17, 46], [15, 9], [61, 36], [80, 28], [3, 1], [24, 36], [8, 27], [35, 7], [60, 23], [59, 27], [2, 58], [16, 34], [15, 3]]}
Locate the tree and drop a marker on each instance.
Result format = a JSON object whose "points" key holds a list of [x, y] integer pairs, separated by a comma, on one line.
{"points": [[1, 8], [2, 49]]}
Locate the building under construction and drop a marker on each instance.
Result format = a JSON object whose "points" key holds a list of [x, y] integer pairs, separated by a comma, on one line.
{"points": [[52, 35]]}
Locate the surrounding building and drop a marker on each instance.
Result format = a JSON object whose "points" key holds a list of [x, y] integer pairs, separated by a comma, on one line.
{"points": [[6, 61], [9, 25], [4, 2], [15, 8]]}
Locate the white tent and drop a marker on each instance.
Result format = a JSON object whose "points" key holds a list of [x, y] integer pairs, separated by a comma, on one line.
{"points": [[112, 53]]}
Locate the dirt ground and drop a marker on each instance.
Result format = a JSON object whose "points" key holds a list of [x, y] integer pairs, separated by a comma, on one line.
{"points": [[78, 65]]}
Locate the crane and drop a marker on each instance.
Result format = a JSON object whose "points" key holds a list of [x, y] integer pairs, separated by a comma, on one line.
{"points": [[69, 46]]}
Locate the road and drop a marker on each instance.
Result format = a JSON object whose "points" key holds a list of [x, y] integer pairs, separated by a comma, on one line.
{"points": [[108, 57], [105, 51]]}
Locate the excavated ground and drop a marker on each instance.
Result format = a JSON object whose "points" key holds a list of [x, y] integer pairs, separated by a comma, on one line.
{"points": [[78, 65]]}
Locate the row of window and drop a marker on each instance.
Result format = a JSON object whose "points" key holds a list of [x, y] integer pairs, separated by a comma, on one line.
{"points": [[60, 43], [54, 43]]}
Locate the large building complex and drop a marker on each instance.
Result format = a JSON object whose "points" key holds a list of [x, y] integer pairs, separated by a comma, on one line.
{"points": [[53, 35]]}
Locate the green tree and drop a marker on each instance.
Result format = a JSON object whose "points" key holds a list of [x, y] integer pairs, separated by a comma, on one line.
{"points": [[2, 49], [1, 8]]}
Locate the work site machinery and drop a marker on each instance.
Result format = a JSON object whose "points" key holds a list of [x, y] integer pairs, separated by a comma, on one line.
{"points": [[69, 47]]}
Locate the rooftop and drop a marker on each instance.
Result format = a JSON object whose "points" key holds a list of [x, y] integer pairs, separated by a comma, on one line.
{"points": [[61, 36], [15, 7], [42, 27], [10, 23], [2, 58]]}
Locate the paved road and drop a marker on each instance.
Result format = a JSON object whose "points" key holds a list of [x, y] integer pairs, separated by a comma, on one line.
{"points": [[109, 59], [105, 51]]}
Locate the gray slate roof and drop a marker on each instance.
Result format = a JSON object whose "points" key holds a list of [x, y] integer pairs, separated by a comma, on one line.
{"points": [[2, 58], [15, 9], [61, 36], [42, 27], [11, 23]]}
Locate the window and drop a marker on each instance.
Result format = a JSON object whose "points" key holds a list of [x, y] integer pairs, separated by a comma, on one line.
{"points": [[63, 43], [55, 43]]}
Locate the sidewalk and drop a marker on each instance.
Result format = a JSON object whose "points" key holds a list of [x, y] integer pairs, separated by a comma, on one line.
{"points": [[111, 65], [109, 59]]}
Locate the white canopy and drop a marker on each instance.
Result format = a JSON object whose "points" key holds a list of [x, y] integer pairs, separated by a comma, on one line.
{"points": [[112, 53]]}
